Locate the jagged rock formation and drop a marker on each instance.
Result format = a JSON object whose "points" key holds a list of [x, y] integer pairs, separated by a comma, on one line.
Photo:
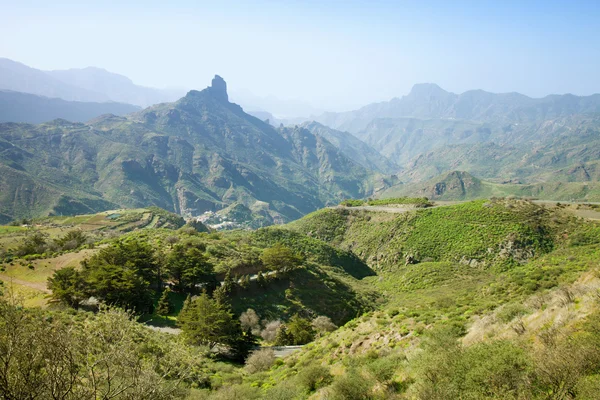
{"points": [[198, 154]]}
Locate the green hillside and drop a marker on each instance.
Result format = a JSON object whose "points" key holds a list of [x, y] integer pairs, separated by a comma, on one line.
{"points": [[454, 284], [198, 154], [572, 184]]}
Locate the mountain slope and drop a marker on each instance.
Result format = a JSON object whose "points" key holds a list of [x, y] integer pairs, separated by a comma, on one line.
{"points": [[459, 185], [354, 148], [505, 136], [200, 153], [29, 108]]}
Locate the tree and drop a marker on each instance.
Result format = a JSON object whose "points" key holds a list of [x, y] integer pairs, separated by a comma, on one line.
{"points": [[283, 336], [250, 321], [119, 286], [189, 267], [260, 360], [106, 355], [34, 243], [220, 296], [133, 255], [323, 324], [261, 280], [206, 322], [68, 286], [164, 306], [72, 240], [300, 330], [280, 258], [269, 333]]}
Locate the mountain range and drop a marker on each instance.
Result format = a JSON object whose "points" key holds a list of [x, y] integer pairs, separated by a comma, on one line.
{"points": [[30, 108], [85, 85], [502, 137], [205, 153], [197, 154]]}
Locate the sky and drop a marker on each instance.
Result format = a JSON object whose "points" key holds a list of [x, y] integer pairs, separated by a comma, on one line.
{"points": [[333, 55]]}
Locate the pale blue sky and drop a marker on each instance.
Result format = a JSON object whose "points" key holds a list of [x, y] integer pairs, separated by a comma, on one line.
{"points": [[332, 54]]}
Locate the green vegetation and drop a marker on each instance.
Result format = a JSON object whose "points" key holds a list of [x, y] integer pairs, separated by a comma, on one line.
{"points": [[103, 355], [151, 158], [475, 300], [413, 201], [352, 203], [476, 232], [416, 201], [460, 185]]}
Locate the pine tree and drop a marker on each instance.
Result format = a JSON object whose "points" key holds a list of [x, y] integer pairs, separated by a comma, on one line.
{"points": [[207, 322], [164, 307], [228, 283], [220, 296], [261, 280], [283, 337]]}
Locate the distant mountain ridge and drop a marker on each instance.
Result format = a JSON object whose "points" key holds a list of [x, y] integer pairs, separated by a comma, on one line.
{"points": [[494, 136], [85, 85], [116, 87], [429, 101], [33, 109]]}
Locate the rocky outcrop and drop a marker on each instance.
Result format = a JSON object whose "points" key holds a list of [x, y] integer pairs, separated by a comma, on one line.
{"points": [[218, 88]]}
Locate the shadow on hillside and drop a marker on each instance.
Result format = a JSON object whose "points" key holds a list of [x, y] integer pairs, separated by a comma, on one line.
{"points": [[352, 265], [307, 291]]}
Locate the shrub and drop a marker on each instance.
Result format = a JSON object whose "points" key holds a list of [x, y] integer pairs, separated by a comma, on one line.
{"points": [[383, 369], [314, 377], [284, 391], [352, 203], [510, 312], [351, 386], [269, 333], [260, 360], [323, 324], [250, 321]]}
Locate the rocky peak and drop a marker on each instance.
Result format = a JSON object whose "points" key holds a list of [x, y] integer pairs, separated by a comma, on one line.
{"points": [[427, 90], [218, 88]]}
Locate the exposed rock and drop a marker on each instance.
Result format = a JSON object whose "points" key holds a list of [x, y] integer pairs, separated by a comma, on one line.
{"points": [[218, 88]]}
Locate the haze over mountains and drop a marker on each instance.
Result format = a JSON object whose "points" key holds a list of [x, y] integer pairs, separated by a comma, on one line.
{"points": [[25, 107], [203, 152]]}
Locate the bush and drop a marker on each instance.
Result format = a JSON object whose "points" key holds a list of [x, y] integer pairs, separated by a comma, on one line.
{"points": [[260, 360], [510, 312], [284, 391], [352, 203], [250, 321], [323, 324], [383, 369], [269, 333], [314, 377], [351, 386]]}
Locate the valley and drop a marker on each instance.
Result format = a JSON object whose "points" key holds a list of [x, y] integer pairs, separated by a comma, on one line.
{"points": [[299, 201]]}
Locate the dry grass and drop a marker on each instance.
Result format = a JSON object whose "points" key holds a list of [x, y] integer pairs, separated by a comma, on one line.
{"points": [[561, 306]]}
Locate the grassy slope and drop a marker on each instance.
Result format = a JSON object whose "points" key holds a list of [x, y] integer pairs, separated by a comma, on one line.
{"points": [[28, 277], [443, 291], [481, 189]]}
